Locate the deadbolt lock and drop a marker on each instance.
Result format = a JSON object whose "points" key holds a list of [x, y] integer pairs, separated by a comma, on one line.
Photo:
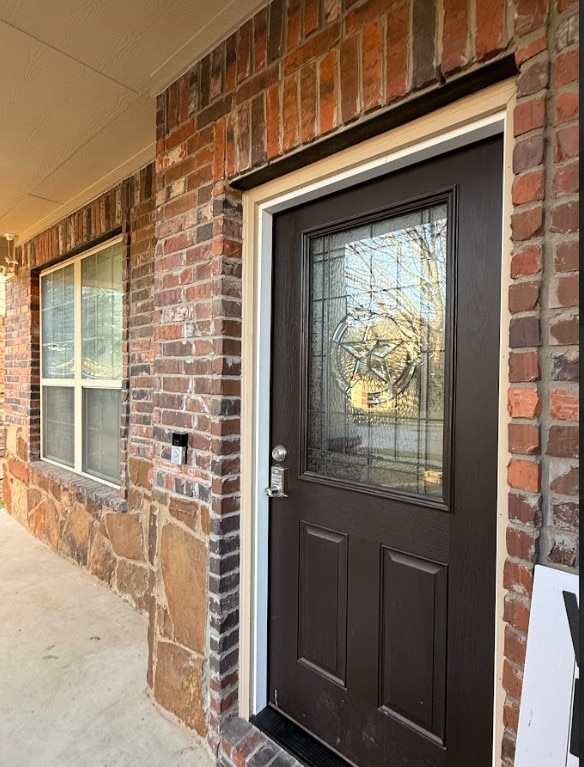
{"points": [[279, 453]]}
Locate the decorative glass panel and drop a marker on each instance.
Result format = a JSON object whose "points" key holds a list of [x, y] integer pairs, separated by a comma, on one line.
{"points": [[377, 346], [57, 323], [101, 314], [101, 434], [59, 424]]}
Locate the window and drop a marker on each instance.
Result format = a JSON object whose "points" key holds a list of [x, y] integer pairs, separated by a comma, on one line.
{"points": [[81, 363]]}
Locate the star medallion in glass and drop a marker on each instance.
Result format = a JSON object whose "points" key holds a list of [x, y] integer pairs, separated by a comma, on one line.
{"points": [[377, 352]]}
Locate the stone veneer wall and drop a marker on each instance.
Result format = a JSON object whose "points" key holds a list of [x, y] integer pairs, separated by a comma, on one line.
{"points": [[80, 518], [296, 72]]}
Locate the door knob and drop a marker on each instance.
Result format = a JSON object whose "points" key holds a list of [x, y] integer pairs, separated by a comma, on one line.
{"points": [[279, 453]]}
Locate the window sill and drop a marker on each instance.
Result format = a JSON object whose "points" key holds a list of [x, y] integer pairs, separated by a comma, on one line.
{"points": [[81, 486]]}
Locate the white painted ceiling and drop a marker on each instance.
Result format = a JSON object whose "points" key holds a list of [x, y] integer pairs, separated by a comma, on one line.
{"points": [[78, 85]]}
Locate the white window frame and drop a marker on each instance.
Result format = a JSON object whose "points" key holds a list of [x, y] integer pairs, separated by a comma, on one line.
{"points": [[77, 382]]}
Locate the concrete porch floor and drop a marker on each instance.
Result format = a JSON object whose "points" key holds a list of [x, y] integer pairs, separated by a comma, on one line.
{"points": [[73, 670]]}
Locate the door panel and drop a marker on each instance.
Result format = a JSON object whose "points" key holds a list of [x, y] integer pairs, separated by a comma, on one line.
{"points": [[384, 392], [413, 643], [322, 608]]}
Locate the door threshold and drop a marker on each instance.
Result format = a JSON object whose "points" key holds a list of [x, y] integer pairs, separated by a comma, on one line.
{"points": [[299, 743]]}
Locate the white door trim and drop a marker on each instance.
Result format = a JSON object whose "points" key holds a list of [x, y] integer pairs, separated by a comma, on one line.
{"points": [[464, 122]]}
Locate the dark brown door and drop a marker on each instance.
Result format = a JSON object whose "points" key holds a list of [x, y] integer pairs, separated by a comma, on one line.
{"points": [[384, 393]]}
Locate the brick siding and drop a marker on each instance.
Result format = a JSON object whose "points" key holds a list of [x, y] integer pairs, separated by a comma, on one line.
{"points": [[298, 72]]}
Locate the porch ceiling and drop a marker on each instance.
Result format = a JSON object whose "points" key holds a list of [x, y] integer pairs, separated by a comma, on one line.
{"points": [[77, 93]]}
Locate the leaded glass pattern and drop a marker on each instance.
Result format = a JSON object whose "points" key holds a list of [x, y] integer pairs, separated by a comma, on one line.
{"points": [[377, 352]]}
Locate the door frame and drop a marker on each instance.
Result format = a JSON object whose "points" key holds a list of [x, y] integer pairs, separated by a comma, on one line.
{"points": [[471, 119]]}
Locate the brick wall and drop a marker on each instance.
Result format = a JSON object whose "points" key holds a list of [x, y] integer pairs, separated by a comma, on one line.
{"points": [[296, 73], [293, 74], [77, 516]]}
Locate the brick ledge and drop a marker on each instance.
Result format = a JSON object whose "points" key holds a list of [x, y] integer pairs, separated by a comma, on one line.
{"points": [[88, 488], [243, 745]]}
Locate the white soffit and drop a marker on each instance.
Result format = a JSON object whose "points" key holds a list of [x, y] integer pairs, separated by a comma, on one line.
{"points": [[77, 93]]}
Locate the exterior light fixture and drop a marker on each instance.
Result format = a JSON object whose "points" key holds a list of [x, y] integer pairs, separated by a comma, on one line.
{"points": [[8, 257]]}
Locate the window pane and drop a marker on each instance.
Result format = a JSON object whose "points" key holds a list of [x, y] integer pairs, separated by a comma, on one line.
{"points": [[377, 346], [101, 314], [57, 323], [59, 424], [101, 433]]}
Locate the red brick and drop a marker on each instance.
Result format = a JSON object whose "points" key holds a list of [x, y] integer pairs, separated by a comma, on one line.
{"points": [[528, 188], [515, 645], [564, 218], [516, 611], [328, 92], [396, 75], [372, 65], [308, 102], [527, 261], [219, 153], [565, 367], [522, 544], [260, 42], [567, 106], [565, 291], [511, 713], [524, 475], [530, 15], [311, 17], [528, 154], [365, 13], [491, 34], [524, 331], [563, 441], [564, 405], [563, 5], [566, 69], [527, 224], [316, 46], [231, 62], [566, 515], [525, 509], [564, 331], [349, 63], [332, 9], [567, 143], [563, 550], [534, 77], [567, 256], [273, 121], [567, 32], [294, 25], [290, 131], [529, 115], [523, 402], [530, 49], [524, 296], [512, 679], [518, 577], [523, 367], [523, 439], [454, 35], [564, 478], [244, 42], [566, 179]]}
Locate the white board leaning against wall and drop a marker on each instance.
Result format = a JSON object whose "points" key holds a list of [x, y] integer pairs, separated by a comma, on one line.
{"points": [[549, 719]]}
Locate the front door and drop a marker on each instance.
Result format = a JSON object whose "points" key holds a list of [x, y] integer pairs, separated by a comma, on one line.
{"points": [[385, 397]]}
